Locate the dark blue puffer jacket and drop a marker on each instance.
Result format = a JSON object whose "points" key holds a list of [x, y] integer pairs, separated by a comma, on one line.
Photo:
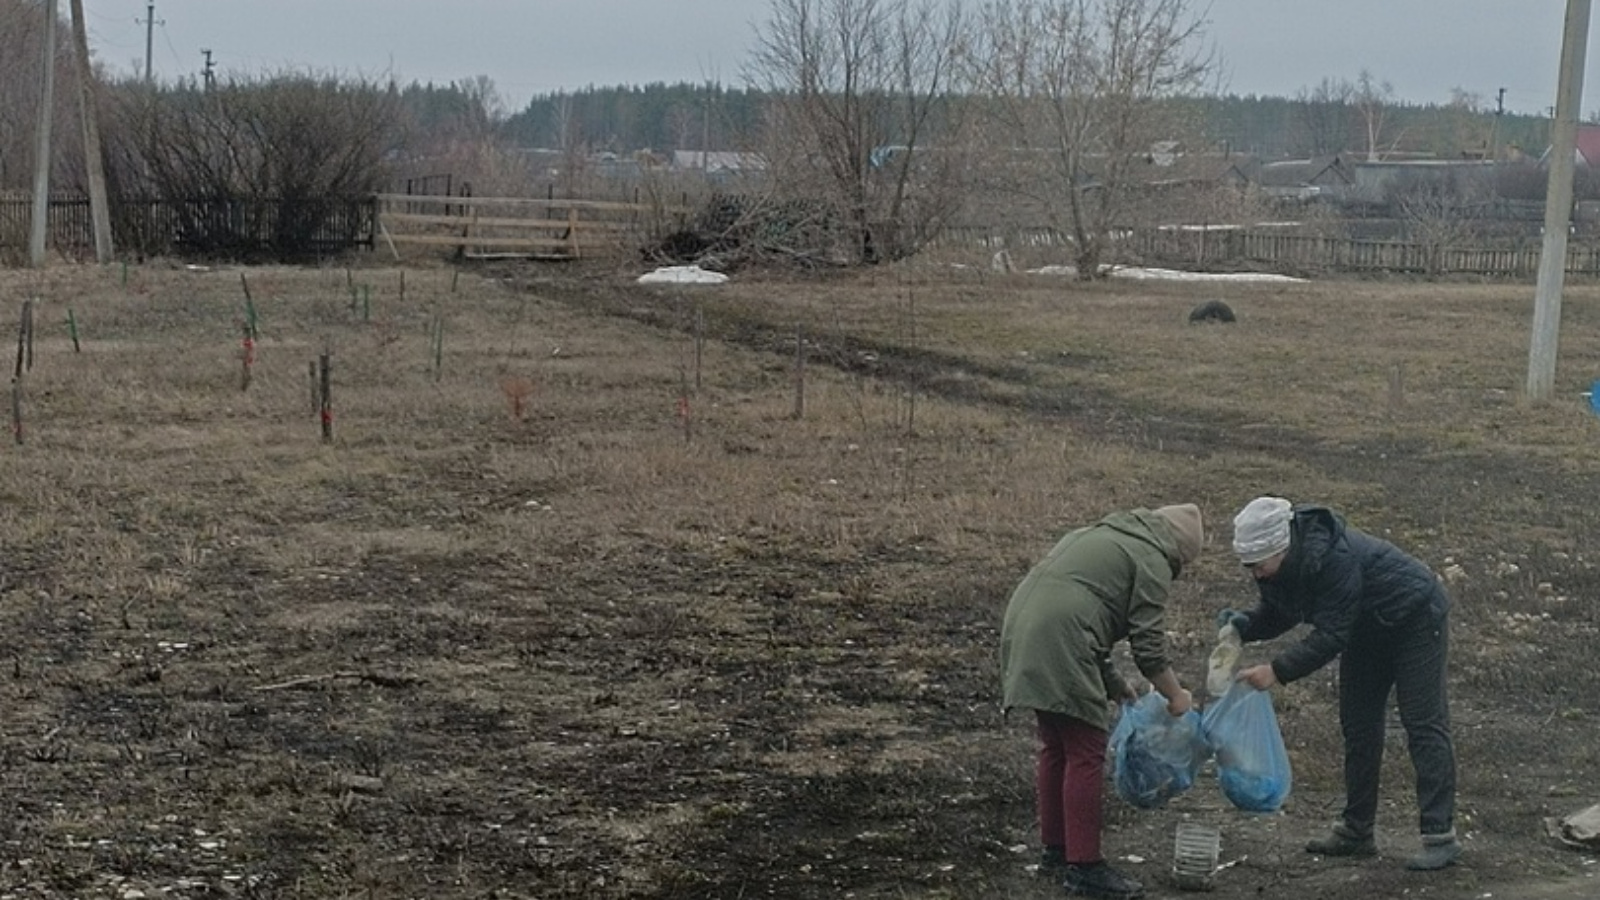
{"points": [[1342, 582]]}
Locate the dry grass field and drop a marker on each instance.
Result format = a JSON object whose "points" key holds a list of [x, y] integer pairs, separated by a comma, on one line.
{"points": [[624, 645]]}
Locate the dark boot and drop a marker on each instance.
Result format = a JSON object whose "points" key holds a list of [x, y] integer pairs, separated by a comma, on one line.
{"points": [[1438, 851], [1053, 862], [1101, 881], [1344, 841]]}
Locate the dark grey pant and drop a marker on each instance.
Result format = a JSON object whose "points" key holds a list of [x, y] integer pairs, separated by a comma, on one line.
{"points": [[1411, 660]]}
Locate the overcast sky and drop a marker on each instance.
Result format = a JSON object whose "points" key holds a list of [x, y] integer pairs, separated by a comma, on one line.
{"points": [[1424, 48]]}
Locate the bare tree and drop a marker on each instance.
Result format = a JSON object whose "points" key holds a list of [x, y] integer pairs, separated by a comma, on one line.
{"points": [[1471, 125], [1323, 115], [863, 115], [570, 141], [1372, 100], [1077, 89]]}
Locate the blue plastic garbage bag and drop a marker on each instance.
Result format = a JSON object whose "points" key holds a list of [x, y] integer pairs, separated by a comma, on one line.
{"points": [[1252, 764], [1157, 755]]}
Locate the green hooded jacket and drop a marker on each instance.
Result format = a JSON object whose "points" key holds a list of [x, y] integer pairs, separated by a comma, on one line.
{"points": [[1099, 585]]}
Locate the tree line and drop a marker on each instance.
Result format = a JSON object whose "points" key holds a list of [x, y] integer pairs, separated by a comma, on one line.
{"points": [[693, 116], [883, 118]]}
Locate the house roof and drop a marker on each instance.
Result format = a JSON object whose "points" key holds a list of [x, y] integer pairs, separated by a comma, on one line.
{"points": [[1196, 168], [1326, 170], [1588, 149], [1589, 146]]}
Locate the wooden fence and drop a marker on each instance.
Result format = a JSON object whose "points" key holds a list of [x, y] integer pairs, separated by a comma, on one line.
{"points": [[496, 227], [1275, 250]]}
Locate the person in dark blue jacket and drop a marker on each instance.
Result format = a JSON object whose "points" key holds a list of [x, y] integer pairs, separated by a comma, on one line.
{"points": [[1385, 615]]}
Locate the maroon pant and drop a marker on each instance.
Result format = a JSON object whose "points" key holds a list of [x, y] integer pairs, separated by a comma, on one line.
{"points": [[1072, 758]]}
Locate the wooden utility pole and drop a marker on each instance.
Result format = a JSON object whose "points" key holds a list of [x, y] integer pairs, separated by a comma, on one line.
{"points": [[1558, 205], [41, 160], [99, 214]]}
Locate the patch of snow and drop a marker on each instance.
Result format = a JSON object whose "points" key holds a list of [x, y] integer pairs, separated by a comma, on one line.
{"points": [[682, 275], [1147, 274], [1175, 275]]}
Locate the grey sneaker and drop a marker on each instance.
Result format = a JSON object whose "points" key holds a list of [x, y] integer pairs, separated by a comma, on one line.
{"points": [[1438, 851], [1053, 862], [1344, 841]]}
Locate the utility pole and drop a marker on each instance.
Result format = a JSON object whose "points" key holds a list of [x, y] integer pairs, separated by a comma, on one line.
{"points": [[99, 214], [41, 159], [1558, 204], [1494, 135], [210, 79], [149, 22]]}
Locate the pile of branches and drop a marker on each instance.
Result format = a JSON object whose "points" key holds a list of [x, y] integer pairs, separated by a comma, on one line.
{"points": [[733, 231]]}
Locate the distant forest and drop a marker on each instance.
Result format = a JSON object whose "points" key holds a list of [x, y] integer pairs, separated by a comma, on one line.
{"points": [[662, 118]]}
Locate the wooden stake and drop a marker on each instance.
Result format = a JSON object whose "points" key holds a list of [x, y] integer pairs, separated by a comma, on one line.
{"points": [[799, 373], [22, 337], [72, 329], [699, 343], [325, 396], [249, 356], [316, 391], [249, 307], [16, 408], [683, 405], [27, 324], [438, 346], [911, 341]]}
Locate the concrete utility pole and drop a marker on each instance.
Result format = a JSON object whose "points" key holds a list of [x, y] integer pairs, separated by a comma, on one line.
{"points": [[1558, 205], [149, 22], [99, 213], [1494, 138], [41, 159]]}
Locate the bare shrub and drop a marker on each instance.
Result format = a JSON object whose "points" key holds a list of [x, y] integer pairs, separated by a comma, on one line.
{"points": [[269, 163]]}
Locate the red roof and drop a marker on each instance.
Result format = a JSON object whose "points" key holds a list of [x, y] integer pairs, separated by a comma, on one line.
{"points": [[1589, 146]]}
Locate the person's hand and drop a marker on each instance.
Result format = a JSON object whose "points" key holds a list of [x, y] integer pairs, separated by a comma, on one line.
{"points": [[1180, 704], [1232, 617], [1129, 694], [1259, 677]]}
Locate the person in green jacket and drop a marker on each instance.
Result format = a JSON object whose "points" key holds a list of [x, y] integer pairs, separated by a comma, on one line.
{"points": [[1100, 584]]}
